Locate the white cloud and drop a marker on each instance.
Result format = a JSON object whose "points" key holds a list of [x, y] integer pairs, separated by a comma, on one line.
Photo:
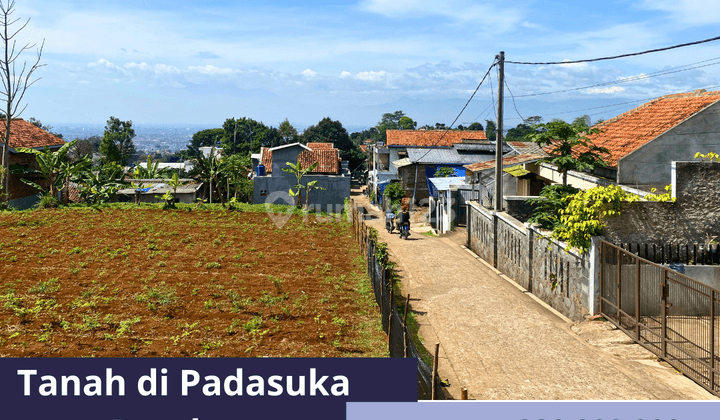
{"points": [[693, 12], [345, 74], [309, 73], [614, 89], [210, 70], [102, 63], [372, 76]]}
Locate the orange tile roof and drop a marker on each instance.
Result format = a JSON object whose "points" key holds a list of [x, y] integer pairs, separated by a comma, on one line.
{"points": [[427, 138], [24, 134], [320, 145], [513, 160], [328, 159], [629, 131]]}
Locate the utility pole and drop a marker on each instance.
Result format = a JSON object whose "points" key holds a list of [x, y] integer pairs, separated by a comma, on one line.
{"points": [[499, 138]]}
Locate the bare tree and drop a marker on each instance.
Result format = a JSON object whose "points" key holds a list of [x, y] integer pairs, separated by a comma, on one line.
{"points": [[14, 83]]}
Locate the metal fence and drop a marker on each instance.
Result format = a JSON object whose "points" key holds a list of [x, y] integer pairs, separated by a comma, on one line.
{"points": [[400, 341], [670, 314], [667, 253]]}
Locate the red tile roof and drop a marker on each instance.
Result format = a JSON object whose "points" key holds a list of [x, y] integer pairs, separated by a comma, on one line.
{"points": [[629, 131], [328, 159], [320, 145], [24, 134], [427, 138], [508, 161]]}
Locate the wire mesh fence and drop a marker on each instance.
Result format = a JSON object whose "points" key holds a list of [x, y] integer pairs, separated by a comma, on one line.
{"points": [[668, 313], [401, 341]]}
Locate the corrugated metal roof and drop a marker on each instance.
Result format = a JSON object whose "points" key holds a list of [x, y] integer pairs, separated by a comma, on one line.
{"points": [[448, 156], [443, 184], [472, 147]]}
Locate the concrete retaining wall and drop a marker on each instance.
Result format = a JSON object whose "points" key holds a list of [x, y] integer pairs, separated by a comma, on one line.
{"points": [[564, 279]]}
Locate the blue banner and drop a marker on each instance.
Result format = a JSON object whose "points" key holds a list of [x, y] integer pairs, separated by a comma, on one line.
{"points": [[202, 389]]}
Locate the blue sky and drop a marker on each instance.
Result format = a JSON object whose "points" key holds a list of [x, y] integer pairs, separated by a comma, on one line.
{"points": [[158, 61]]}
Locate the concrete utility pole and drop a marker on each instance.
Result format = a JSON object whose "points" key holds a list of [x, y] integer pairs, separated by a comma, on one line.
{"points": [[499, 136]]}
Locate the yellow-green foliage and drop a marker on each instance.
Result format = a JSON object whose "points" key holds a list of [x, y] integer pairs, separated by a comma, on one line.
{"points": [[586, 212], [661, 197], [710, 156]]}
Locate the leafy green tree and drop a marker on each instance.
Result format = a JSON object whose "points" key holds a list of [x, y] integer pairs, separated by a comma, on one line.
{"points": [[288, 134], [395, 193], [546, 208], [444, 172], [582, 122], [406, 123], [117, 142], [568, 147], [81, 148], [203, 138], [476, 126], [519, 133], [490, 130], [329, 131], [246, 135]]}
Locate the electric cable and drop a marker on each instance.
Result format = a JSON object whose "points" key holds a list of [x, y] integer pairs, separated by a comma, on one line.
{"points": [[687, 44], [462, 110], [628, 79]]}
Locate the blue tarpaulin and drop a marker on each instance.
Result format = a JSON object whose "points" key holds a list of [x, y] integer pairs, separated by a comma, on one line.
{"points": [[430, 173]]}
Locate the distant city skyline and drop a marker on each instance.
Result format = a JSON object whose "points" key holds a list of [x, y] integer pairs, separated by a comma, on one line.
{"points": [[182, 62]]}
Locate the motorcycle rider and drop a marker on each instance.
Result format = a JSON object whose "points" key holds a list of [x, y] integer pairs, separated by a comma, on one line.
{"points": [[389, 219], [404, 218]]}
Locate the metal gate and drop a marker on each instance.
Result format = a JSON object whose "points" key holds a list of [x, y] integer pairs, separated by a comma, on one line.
{"points": [[670, 314]]}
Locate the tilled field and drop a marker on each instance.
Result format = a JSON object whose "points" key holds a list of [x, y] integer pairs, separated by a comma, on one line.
{"points": [[154, 283]]}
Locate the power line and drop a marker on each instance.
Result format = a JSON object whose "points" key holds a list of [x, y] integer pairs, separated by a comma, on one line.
{"points": [[462, 110], [612, 105], [617, 56], [630, 79], [513, 99]]}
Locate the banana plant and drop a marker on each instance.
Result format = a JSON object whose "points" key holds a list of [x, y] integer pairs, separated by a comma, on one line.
{"points": [[312, 185], [151, 171], [299, 172], [53, 167]]}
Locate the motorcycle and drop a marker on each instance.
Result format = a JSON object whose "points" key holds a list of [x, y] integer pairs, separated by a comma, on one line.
{"points": [[389, 225], [404, 231]]}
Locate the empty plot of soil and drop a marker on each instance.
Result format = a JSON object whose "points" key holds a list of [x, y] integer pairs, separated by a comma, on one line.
{"points": [[154, 283]]}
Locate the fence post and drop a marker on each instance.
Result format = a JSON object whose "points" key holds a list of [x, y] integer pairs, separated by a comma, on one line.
{"points": [[388, 276], [602, 264], [435, 370], [619, 281], [664, 293], [712, 340], [405, 337], [637, 296]]}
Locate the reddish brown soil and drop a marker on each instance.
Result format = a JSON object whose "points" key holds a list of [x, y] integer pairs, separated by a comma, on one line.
{"points": [[154, 283]]}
